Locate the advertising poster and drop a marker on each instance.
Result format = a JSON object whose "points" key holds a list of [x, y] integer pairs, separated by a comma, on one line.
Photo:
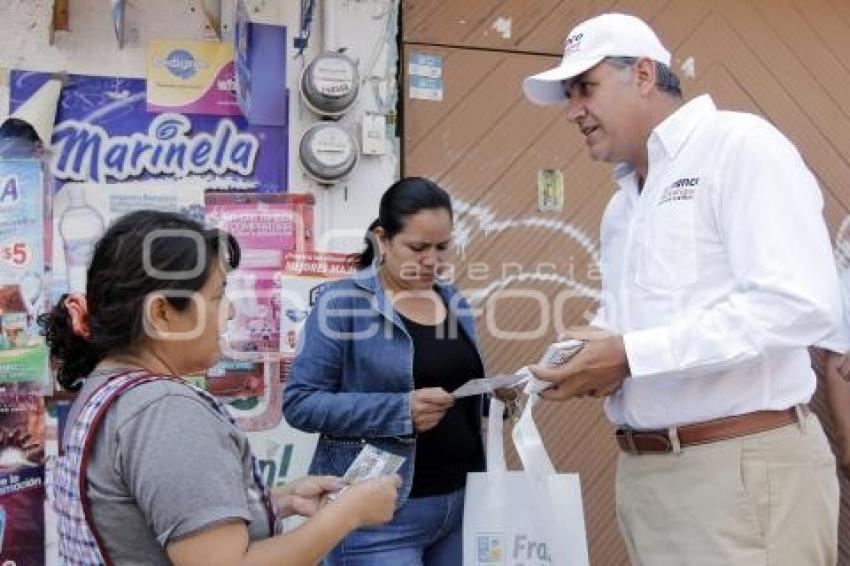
{"points": [[82, 211], [301, 281], [23, 353], [192, 77], [22, 492], [266, 226], [283, 452], [104, 134], [249, 377], [252, 391], [293, 289], [110, 155]]}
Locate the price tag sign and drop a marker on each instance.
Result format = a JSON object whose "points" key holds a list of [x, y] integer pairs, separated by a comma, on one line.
{"points": [[16, 254]]}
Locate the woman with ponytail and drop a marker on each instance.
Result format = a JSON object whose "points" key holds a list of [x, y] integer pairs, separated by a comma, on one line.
{"points": [[154, 471], [380, 352]]}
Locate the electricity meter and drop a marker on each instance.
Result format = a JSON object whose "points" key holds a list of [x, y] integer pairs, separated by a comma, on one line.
{"points": [[328, 152], [329, 84]]}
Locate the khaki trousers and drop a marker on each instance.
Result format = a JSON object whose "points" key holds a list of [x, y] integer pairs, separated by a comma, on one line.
{"points": [[765, 499]]}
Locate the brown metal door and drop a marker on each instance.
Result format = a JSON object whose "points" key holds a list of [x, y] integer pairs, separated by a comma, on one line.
{"points": [[486, 145]]}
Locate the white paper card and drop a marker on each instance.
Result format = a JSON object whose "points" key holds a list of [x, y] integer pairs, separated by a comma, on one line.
{"points": [[487, 384]]}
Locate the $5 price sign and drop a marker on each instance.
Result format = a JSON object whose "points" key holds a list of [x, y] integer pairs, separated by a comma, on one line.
{"points": [[15, 254]]}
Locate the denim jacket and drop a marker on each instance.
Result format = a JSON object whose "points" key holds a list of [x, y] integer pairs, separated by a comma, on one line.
{"points": [[352, 377]]}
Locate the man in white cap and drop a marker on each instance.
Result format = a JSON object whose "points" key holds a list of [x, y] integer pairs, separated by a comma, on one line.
{"points": [[717, 275]]}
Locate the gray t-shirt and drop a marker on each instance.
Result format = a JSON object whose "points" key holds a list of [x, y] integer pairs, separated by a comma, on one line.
{"points": [[165, 465]]}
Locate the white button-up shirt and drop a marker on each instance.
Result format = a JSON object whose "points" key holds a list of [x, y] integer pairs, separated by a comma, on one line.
{"points": [[719, 273], [840, 340]]}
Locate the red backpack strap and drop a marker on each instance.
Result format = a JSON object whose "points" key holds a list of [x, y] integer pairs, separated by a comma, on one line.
{"points": [[141, 377]]}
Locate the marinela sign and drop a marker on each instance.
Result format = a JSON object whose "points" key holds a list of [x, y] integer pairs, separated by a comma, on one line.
{"points": [[104, 134]]}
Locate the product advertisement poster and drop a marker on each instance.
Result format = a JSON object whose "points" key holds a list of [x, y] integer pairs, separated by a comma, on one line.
{"points": [[104, 134], [22, 492], [266, 226], [249, 377], [301, 281], [23, 354], [83, 210], [283, 453], [192, 77], [252, 391]]}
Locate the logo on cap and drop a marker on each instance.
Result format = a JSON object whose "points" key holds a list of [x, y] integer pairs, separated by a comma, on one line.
{"points": [[573, 43]]}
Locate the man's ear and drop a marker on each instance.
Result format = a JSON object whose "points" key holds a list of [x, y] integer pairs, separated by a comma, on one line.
{"points": [[645, 75]]}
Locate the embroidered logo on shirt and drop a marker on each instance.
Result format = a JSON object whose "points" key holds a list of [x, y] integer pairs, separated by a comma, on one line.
{"points": [[683, 189]]}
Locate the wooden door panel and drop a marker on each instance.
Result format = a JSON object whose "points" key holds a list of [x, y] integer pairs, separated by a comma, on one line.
{"points": [[783, 59]]}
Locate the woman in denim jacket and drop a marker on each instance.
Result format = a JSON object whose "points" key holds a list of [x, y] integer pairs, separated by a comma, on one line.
{"points": [[380, 351]]}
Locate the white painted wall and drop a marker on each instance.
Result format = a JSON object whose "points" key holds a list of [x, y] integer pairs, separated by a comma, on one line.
{"points": [[362, 27]]}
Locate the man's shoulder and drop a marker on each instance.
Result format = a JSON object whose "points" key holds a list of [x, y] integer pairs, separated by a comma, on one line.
{"points": [[732, 124]]}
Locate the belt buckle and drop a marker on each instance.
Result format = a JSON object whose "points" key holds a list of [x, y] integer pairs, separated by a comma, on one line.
{"points": [[628, 434]]}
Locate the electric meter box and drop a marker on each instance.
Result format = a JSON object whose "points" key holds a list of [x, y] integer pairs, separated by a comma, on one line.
{"points": [[329, 84], [260, 64], [328, 152]]}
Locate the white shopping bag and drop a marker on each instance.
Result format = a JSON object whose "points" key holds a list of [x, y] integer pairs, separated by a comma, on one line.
{"points": [[532, 517]]}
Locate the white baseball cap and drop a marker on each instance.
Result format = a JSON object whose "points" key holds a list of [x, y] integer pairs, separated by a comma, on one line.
{"points": [[608, 35]]}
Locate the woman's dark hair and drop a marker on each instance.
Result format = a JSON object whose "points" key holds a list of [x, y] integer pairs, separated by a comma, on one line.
{"points": [[141, 253], [404, 198]]}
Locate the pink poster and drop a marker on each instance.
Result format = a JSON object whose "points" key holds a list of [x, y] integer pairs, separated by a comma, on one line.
{"points": [[267, 226]]}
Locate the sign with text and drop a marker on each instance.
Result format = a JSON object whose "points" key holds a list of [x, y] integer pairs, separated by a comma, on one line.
{"points": [[192, 77], [104, 134]]}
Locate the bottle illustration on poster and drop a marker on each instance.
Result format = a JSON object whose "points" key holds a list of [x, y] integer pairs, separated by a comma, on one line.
{"points": [[80, 227]]}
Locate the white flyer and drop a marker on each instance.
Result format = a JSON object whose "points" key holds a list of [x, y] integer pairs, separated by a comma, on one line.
{"points": [[372, 462], [557, 354], [488, 384]]}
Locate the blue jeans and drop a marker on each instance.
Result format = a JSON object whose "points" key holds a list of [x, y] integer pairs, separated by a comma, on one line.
{"points": [[425, 531]]}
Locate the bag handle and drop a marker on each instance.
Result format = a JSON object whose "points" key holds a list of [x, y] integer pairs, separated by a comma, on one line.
{"points": [[526, 437], [529, 445], [495, 448]]}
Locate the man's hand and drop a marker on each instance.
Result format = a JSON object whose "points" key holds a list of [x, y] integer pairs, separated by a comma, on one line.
{"points": [[597, 370], [428, 406], [304, 495], [586, 333], [838, 400]]}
